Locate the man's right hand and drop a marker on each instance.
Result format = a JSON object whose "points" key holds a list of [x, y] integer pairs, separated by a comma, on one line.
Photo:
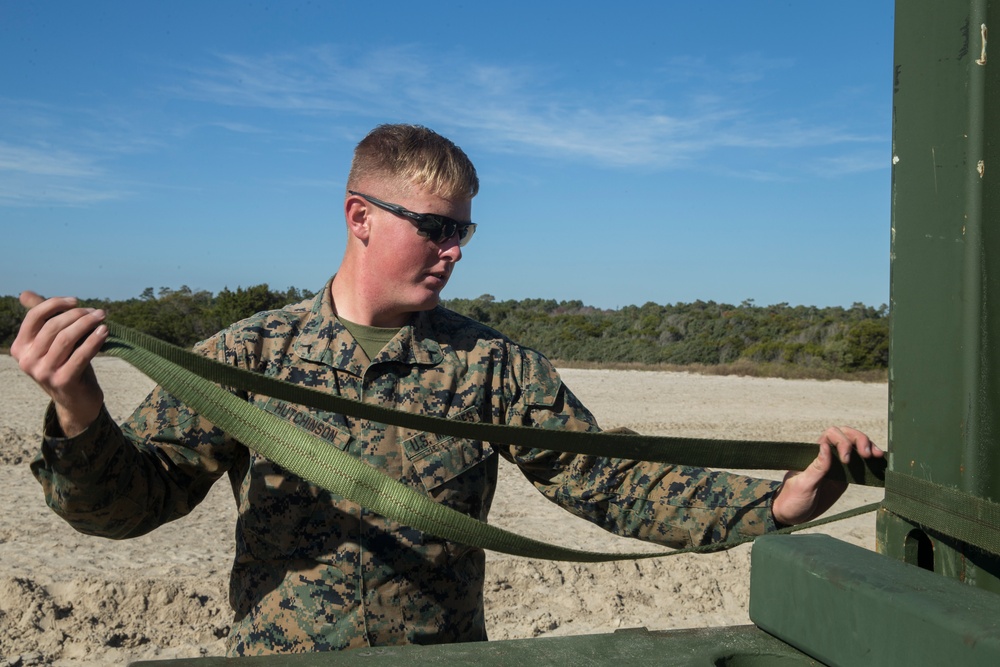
{"points": [[54, 346]]}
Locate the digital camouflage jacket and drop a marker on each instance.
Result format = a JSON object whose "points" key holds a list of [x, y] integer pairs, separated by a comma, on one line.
{"points": [[315, 572]]}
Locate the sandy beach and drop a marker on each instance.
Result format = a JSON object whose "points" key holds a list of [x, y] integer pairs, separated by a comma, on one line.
{"points": [[69, 599]]}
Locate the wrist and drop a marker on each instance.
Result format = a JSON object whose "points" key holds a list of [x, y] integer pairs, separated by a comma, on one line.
{"points": [[781, 520], [73, 421]]}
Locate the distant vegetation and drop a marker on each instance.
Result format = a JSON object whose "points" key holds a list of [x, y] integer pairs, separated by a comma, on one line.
{"points": [[779, 340], [783, 340], [182, 317]]}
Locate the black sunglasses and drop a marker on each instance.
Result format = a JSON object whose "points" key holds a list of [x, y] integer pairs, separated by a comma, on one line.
{"points": [[438, 228]]}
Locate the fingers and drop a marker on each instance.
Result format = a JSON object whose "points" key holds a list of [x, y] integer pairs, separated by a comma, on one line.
{"points": [[820, 465], [807, 494], [39, 313], [815, 471], [57, 341], [54, 346], [846, 439], [29, 299], [89, 344]]}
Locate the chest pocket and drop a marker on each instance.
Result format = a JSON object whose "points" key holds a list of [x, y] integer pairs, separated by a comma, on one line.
{"points": [[438, 459]]}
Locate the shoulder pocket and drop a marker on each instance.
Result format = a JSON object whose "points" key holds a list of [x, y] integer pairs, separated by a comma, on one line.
{"points": [[540, 381], [438, 459]]}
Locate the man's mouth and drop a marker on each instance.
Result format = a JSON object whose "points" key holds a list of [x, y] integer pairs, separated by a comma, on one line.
{"points": [[439, 275]]}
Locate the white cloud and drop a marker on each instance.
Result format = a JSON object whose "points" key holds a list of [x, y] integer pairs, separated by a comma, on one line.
{"points": [[690, 114], [26, 191], [44, 161], [43, 175], [522, 109]]}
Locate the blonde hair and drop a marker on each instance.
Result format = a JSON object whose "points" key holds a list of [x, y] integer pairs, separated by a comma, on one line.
{"points": [[417, 155]]}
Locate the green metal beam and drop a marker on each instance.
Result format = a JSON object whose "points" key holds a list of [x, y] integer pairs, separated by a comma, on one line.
{"points": [[740, 646], [944, 421], [848, 606]]}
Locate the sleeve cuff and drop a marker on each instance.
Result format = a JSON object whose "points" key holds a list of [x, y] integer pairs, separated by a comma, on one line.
{"points": [[81, 454], [772, 523]]}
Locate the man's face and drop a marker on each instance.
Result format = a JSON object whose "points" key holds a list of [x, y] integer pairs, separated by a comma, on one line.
{"points": [[411, 269]]}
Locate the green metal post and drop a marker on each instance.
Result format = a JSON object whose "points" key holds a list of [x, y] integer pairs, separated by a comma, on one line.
{"points": [[944, 391]]}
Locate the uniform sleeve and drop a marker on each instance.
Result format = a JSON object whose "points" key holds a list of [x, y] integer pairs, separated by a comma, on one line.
{"points": [[121, 482], [676, 506]]}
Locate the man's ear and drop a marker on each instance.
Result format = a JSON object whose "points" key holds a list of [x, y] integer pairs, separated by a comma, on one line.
{"points": [[356, 212]]}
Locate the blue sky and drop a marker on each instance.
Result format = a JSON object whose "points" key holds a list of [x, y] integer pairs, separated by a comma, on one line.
{"points": [[628, 152]]}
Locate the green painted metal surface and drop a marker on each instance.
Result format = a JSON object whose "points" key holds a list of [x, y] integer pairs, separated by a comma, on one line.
{"points": [[945, 295], [741, 646], [848, 606]]}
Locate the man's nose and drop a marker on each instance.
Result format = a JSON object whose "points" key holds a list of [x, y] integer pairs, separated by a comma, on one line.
{"points": [[451, 249]]}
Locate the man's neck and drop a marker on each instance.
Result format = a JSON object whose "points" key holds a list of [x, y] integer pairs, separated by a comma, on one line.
{"points": [[355, 306]]}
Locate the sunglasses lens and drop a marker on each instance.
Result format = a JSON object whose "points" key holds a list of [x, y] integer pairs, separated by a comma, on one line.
{"points": [[433, 229], [465, 233], [440, 230], [445, 229]]}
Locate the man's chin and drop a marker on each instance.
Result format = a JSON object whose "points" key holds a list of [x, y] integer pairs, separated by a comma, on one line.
{"points": [[429, 302]]}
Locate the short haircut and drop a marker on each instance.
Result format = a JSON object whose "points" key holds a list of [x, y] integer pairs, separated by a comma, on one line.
{"points": [[418, 155]]}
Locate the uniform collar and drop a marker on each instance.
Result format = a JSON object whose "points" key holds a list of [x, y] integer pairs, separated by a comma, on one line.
{"points": [[323, 339]]}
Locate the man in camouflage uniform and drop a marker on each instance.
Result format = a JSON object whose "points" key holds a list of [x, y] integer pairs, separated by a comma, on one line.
{"points": [[313, 571]]}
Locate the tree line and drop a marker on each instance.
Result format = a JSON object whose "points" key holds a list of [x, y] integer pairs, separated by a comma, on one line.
{"points": [[704, 333], [182, 316], [845, 340]]}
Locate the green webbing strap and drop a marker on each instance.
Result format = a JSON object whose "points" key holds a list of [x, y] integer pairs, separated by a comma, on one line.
{"points": [[316, 461], [705, 453], [944, 509]]}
